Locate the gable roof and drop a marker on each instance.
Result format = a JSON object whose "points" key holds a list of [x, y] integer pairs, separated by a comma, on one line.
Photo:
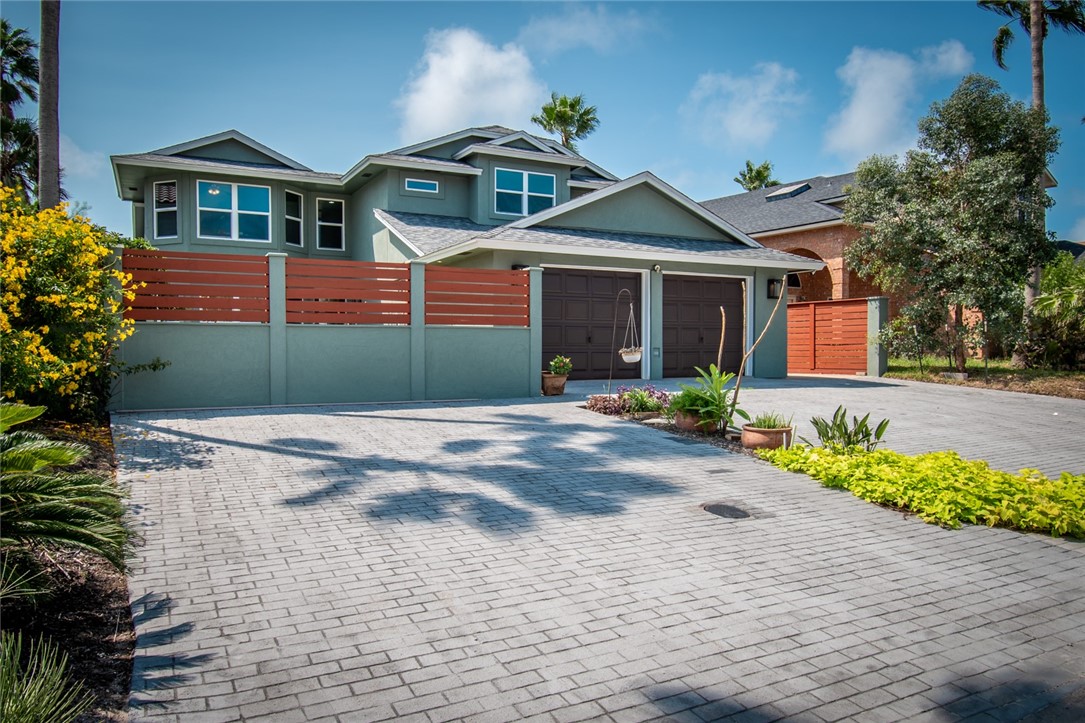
{"points": [[761, 211], [181, 149]]}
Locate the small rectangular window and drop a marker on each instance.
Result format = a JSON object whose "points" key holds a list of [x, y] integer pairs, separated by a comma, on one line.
{"points": [[522, 193], [329, 224], [417, 184], [165, 209], [295, 219]]}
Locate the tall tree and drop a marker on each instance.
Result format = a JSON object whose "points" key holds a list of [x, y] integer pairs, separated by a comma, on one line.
{"points": [[959, 224], [1035, 17], [19, 160], [48, 107], [18, 68], [570, 118], [755, 177]]}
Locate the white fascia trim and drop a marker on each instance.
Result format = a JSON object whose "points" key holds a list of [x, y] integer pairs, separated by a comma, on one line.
{"points": [[796, 229], [400, 163], [235, 136], [799, 264], [485, 149], [589, 184], [521, 136], [451, 137], [646, 178], [395, 232], [193, 165]]}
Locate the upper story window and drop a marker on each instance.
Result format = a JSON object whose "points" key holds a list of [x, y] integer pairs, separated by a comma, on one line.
{"points": [[295, 219], [417, 184], [165, 209], [233, 211], [329, 224], [522, 193]]}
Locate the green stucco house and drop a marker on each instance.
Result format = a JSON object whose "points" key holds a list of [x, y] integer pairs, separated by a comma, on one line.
{"points": [[496, 198]]}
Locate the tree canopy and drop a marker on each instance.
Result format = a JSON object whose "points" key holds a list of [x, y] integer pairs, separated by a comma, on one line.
{"points": [[19, 136], [569, 118], [755, 177], [959, 223]]}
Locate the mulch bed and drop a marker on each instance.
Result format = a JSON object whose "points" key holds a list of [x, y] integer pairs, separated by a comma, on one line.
{"points": [[716, 440], [87, 615]]}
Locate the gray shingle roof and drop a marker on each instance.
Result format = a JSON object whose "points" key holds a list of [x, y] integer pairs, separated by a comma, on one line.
{"points": [[433, 233], [204, 163], [430, 160], [752, 213]]}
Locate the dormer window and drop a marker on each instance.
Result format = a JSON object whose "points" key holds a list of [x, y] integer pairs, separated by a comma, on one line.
{"points": [[522, 193]]}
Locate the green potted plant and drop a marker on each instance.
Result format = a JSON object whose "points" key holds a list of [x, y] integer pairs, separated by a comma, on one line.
{"points": [[553, 381], [768, 430], [707, 407]]}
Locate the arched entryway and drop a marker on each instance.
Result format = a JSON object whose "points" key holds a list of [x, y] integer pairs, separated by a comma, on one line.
{"points": [[817, 286]]}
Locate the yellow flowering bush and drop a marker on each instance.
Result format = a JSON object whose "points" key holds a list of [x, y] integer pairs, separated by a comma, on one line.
{"points": [[61, 297]]}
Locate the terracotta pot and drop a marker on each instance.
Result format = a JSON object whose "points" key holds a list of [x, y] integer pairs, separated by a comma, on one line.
{"points": [[642, 415], [691, 423], [759, 438], [553, 385]]}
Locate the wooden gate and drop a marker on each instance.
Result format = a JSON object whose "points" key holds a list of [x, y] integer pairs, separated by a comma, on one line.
{"points": [[827, 337]]}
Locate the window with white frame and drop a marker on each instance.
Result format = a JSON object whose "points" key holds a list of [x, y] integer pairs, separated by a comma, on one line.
{"points": [[329, 224], [522, 193], [295, 219], [420, 185], [165, 209], [233, 211]]}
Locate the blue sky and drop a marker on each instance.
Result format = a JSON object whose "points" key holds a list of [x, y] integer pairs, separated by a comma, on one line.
{"points": [[688, 91]]}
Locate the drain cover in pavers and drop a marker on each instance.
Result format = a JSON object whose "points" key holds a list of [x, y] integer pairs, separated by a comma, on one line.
{"points": [[722, 509]]}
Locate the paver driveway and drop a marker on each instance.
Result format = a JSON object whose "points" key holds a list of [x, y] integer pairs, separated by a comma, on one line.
{"points": [[529, 558]]}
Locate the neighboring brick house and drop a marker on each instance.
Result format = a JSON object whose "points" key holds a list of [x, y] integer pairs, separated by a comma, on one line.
{"points": [[804, 218]]}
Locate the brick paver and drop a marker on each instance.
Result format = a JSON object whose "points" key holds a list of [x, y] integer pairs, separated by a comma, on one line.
{"points": [[531, 560]]}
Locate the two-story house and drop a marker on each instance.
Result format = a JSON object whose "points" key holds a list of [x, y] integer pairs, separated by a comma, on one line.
{"points": [[489, 197]]}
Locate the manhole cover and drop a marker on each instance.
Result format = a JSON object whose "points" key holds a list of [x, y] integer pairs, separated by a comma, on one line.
{"points": [[721, 509]]}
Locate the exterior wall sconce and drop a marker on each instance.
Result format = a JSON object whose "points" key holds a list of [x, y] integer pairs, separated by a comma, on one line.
{"points": [[775, 286]]}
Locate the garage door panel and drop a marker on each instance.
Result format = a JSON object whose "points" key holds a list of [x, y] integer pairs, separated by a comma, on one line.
{"points": [[580, 324], [691, 323]]}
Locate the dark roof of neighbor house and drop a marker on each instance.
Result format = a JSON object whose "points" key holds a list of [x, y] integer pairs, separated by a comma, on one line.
{"points": [[759, 211], [1076, 248], [430, 233]]}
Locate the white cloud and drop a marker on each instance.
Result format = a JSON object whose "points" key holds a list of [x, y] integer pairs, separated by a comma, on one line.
{"points": [[732, 110], [882, 87], [78, 163], [462, 81], [583, 26], [1077, 233]]}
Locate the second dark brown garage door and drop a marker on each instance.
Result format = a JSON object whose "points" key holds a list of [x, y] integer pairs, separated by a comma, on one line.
{"points": [[691, 323], [578, 320]]}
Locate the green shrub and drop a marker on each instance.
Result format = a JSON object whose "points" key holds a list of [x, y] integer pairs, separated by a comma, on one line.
{"points": [[710, 400], [945, 489], [839, 436], [35, 687], [770, 420]]}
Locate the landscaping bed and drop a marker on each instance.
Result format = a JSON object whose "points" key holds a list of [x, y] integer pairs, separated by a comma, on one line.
{"points": [[86, 615], [998, 375]]}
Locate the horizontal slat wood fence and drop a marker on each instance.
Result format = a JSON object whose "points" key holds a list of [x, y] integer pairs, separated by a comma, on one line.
{"points": [[185, 286], [347, 292], [827, 337], [477, 297]]}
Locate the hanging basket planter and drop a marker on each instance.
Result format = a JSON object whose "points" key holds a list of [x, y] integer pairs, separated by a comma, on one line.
{"points": [[631, 355]]}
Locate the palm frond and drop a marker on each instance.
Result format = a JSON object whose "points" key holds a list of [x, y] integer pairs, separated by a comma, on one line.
{"points": [[35, 687]]}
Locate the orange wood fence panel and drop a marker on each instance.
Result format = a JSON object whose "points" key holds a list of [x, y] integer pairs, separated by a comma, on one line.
{"points": [[827, 337], [347, 292], [185, 286], [479, 297]]}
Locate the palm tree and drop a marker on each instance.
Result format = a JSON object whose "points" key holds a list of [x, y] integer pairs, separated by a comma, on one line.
{"points": [[755, 177], [1035, 17], [568, 117], [18, 68], [48, 107], [19, 159]]}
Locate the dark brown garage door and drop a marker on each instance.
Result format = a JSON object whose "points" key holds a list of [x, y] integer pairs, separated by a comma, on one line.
{"points": [[578, 318], [691, 323]]}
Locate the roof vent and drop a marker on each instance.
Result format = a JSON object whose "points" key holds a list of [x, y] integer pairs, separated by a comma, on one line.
{"points": [[788, 192]]}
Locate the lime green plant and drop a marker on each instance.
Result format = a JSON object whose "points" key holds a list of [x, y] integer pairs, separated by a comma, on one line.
{"points": [[561, 365], [35, 686], [943, 488], [842, 437]]}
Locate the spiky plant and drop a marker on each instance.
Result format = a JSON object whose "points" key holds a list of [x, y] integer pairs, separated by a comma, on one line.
{"points": [[35, 687], [42, 506]]}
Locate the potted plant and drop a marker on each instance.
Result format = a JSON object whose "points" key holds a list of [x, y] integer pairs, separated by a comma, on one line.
{"points": [[707, 407], [685, 408], [767, 430], [553, 381]]}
